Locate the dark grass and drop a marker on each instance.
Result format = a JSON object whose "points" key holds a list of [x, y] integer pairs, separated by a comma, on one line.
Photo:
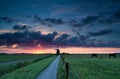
{"points": [[12, 67], [15, 57], [30, 71], [86, 67]]}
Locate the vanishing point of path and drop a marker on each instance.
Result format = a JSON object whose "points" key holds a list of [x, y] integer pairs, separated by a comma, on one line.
{"points": [[51, 71]]}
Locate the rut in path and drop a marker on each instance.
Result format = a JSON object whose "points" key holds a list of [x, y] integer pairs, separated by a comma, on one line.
{"points": [[51, 71]]}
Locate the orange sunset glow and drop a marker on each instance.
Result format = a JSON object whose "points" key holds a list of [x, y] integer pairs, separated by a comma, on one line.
{"points": [[71, 50]]}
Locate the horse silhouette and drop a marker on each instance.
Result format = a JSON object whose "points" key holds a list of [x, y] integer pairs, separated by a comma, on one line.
{"points": [[112, 55], [94, 55]]}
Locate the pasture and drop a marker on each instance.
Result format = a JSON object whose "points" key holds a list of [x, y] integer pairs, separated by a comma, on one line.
{"points": [[81, 66], [15, 57], [85, 67], [29, 71], [9, 66]]}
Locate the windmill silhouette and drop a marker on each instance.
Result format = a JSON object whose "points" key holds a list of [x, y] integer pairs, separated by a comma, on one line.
{"points": [[57, 50]]}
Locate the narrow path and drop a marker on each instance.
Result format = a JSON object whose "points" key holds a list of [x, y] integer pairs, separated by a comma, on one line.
{"points": [[51, 71]]}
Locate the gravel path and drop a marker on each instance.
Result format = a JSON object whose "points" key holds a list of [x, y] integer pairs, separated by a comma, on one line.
{"points": [[51, 71]]}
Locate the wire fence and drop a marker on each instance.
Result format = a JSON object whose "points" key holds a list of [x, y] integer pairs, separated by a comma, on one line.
{"points": [[67, 71]]}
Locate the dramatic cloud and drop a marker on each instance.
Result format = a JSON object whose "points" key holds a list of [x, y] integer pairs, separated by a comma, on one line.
{"points": [[62, 39], [82, 23], [26, 38], [53, 21], [75, 24], [48, 21], [102, 32], [7, 19], [37, 18], [33, 39], [114, 18], [79, 24], [21, 27], [89, 19]]}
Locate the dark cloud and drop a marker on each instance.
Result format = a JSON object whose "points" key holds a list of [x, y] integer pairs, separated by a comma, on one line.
{"points": [[74, 40], [83, 41], [84, 37], [101, 32], [53, 21], [37, 18], [48, 21], [21, 27], [116, 15], [75, 24], [84, 21], [114, 18], [28, 38], [62, 39], [100, 19], [101, 43], [67, 40], [89, 19], [106, 21], [7, 19]]}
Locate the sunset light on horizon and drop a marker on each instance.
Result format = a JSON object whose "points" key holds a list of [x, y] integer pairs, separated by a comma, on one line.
{"points": [[71, 50]]}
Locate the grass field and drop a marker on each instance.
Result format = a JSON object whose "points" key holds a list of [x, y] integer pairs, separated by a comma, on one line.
{"points": [[14, 57], [7, 68], [86, 67], [30, 71]]}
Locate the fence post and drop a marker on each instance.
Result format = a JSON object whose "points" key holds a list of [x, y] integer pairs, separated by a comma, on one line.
{"points": [[62, 59], [67, 70]]}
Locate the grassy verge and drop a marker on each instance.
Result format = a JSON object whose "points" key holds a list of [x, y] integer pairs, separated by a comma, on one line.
{"points": [[91, 68], [30, 71], [61, 70], [9, 68]]}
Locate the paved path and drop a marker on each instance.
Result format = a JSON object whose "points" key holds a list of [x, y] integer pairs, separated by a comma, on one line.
{"points": [[51, 71]]}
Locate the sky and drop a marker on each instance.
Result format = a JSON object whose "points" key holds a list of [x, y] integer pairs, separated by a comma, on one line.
{"points": [[74, 26]]}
